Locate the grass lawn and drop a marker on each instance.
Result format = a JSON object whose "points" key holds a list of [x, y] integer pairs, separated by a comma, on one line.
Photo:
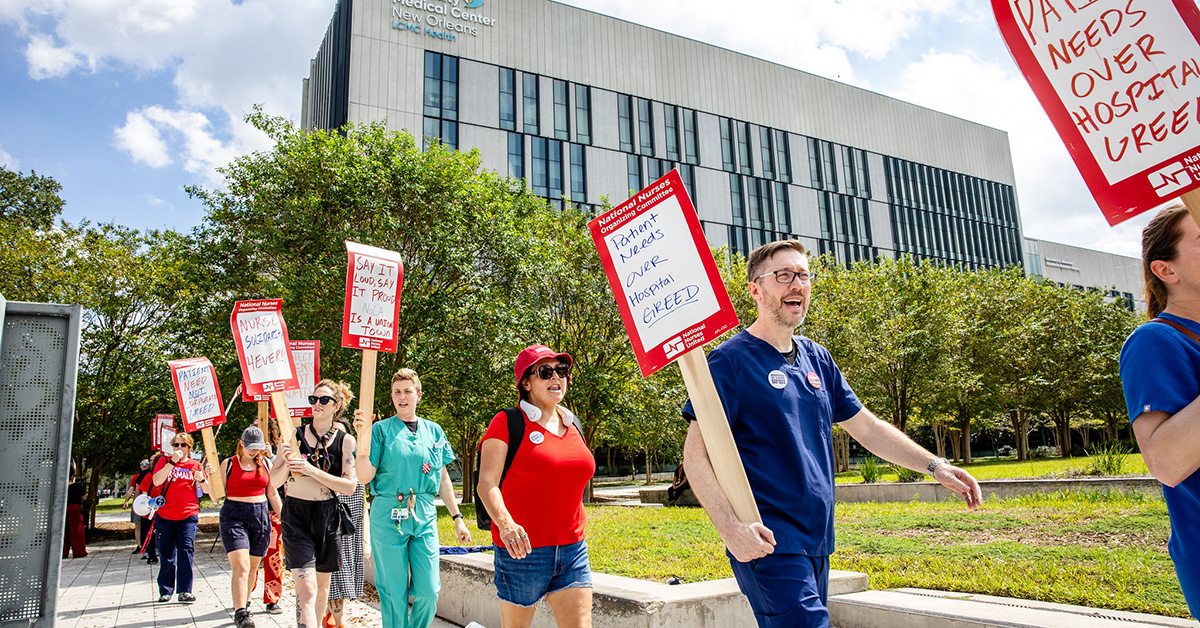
{"points": [[1093, 549], [993, 469]]}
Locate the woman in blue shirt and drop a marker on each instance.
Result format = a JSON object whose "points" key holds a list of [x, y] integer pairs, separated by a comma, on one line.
{"points": [[1160, 371]]}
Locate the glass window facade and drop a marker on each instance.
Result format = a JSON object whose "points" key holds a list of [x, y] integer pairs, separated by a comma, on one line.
{"points": [[583, 114], [508, 99], [671, 124], [578, 174], [440, 100], [691, 145], [529, 103], [646, 126], [562, 111], [625, 122], [516, 155]]}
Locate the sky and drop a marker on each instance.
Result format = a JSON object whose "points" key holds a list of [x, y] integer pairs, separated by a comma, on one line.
{"points": [[126, 102]]}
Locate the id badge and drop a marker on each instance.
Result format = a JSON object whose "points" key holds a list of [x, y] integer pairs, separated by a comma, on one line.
{"points": [[398, 514]]}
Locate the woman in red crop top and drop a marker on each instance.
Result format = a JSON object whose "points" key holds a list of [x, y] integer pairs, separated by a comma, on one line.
{"points": [[245, 524]]}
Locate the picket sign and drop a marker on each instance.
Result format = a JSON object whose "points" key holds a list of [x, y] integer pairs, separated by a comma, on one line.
{"points": [[1120, 81], [260, 334], [200, 405], [374, 277], [159, 422], [673, 302]]}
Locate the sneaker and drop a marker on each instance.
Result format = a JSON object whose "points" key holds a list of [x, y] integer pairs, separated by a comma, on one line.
{"points": [[241, 618], [274, 608], [187, 598], [164, 598], [136, 550], [152, 561]]}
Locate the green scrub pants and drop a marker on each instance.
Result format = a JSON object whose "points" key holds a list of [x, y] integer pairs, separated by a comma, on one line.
{"points": [[406, 563]]}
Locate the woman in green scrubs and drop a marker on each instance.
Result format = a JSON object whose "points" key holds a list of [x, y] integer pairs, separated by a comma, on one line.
{"points": [[405, 471]]}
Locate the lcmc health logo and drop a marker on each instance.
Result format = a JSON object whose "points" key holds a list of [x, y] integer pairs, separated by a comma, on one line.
{"points": [[474, 4]]}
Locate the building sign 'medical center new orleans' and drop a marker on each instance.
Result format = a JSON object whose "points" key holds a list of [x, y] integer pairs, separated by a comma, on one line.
{"points": [[442, 19]]}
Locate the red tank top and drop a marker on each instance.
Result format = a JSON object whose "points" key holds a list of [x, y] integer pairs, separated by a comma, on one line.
{"points": [[242, 483]]}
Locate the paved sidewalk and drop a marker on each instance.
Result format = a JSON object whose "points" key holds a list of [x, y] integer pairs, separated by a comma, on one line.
{"points": [[112, 587]]}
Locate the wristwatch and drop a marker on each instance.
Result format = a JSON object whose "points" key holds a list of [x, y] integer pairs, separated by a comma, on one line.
{"points": [[934, 464]]}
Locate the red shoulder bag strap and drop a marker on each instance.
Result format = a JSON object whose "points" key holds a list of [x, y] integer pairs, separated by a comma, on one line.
{"points": [[1183, 330]]}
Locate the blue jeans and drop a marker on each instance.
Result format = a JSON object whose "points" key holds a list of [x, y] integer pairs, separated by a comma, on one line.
{"points": [[786, 590], [543, 571], [176, 544]]}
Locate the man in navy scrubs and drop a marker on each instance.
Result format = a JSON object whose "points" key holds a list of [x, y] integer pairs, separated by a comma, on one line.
{"points": [[782, 394]]}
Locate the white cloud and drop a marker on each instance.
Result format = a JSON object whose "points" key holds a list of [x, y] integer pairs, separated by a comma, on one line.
{"points": [[47, 60], [151, 134], [8, 161]]}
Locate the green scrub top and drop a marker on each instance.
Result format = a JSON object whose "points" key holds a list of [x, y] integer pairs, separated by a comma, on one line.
{"points": [[399, 457]]}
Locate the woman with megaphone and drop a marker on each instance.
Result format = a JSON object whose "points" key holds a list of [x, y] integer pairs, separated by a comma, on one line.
{"points": [[175, 520]]}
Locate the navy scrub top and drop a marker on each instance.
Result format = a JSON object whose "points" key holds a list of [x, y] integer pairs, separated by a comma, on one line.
{"points": [[782, 418]]}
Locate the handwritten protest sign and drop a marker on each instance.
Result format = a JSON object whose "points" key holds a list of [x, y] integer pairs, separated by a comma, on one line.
{"points": [[373, 282], [374, 277], [156, 426], [670, 293], [260, 335], [1120, 80], [200, 405], [197, 392], [306, 357], [166, 434], [673, 301], [262, 345]]}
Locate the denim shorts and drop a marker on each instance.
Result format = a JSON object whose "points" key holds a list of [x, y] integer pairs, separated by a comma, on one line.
{"points": [[543, 571]]}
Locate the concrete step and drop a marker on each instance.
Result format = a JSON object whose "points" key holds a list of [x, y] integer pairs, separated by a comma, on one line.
{"points": [[922, 608]]}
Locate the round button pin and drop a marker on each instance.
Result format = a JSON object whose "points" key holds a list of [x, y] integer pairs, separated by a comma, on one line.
{"points": [[813, 380], [777, 379], [536, 438]]}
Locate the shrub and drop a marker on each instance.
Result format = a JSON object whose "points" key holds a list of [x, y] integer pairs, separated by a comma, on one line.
{"points": [[871, 470], [904, 474], [1004, 451], [1045, 451], [1109, 458]]}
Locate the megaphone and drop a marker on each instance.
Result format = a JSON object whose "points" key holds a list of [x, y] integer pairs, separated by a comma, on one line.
{"points": [[141, 505]]}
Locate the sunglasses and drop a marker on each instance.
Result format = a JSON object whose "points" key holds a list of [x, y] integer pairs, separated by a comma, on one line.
{"points": [[545, 371], [180, 445], [323, 400]]}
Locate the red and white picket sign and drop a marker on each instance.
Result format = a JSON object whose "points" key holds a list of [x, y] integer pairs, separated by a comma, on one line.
{"points": [[373, 280], [166, 435], [306, 357], [157, 425], [670, 293], [673, 301], [260, 335], [1120, 80], [197, 392]]}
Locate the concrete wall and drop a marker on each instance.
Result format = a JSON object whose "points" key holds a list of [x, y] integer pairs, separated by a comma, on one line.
{"points": [[469, 595]]}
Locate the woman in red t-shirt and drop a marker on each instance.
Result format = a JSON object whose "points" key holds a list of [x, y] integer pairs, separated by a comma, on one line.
{"points": [[537, 505], [175, 521]]}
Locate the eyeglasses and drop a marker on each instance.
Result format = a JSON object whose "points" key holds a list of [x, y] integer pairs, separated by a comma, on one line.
{"points": [[180, 445], [788, 276], [545, 371], [323, 400]]}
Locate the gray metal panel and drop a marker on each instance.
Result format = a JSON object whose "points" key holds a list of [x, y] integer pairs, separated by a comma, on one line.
{"points": [[39, 355]]}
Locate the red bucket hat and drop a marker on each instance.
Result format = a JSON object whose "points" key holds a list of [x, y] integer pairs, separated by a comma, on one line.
{"points": [[532, 355]]}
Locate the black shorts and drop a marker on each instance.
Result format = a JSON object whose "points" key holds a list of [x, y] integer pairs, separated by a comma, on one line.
{"points": [[245, 526], [311, 534]]}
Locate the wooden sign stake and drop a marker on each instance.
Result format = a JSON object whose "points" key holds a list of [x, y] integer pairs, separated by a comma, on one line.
{"points": [[1191, 200], [718, 438], [366, 394], [286, 429], [215, 481]]}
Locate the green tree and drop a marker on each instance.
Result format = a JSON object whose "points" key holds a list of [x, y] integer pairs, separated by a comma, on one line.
{"points": [[31, 200]]}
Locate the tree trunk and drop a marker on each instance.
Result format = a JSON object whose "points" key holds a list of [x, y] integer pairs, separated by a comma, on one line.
{"points": [[649, 467], [964, 429], [1085, 434], [468, 473], [955, 444], [939, 438]]}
